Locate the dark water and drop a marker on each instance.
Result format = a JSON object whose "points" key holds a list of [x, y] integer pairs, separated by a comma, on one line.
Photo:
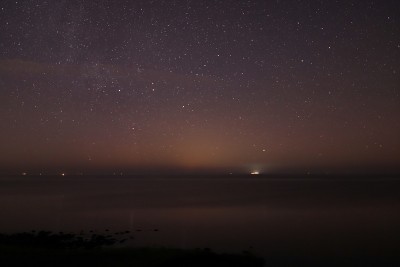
{"points": [[266, 216]]}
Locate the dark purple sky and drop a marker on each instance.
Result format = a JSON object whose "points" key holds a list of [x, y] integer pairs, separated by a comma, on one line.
{"points": [[89, 86]]}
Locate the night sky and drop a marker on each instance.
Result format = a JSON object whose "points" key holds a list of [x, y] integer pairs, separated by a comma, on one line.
{"points": [[230, 86]]}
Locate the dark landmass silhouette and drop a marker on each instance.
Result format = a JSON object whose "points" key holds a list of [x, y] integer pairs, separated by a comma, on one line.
{"points": [[91, 248], [46, 248]]}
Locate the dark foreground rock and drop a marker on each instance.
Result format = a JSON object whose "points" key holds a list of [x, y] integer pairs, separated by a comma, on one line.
{"points": [[49, 249]]}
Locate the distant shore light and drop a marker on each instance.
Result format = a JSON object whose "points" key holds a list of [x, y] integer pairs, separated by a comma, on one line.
{"points": [[255, 173]]}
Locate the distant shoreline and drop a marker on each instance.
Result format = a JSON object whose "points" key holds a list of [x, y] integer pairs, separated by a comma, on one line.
{"points": [[215, 176]]}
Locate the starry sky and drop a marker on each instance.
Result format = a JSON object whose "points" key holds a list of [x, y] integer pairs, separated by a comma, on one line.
{"points": [[231, 86]]}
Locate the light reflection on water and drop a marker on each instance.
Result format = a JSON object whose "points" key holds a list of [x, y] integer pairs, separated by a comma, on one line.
{"points": [[262, 215]]}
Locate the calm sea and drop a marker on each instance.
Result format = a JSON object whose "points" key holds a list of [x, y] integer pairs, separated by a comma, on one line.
{"points": [[265, 216]]}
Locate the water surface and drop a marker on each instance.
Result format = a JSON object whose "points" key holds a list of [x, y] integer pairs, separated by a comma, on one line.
{"points": [[266, 216]]}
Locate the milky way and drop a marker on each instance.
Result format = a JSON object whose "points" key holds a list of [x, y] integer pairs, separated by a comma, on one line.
{"points": [[233, 86]]}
